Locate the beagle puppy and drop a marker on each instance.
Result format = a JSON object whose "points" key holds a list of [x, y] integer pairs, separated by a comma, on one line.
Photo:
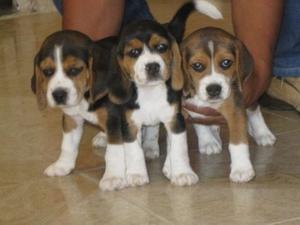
{"points": [[148, 82], [215, 64], [68, 69]]}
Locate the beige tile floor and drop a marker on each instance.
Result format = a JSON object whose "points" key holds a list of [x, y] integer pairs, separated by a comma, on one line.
{"points": [[30, 141]]}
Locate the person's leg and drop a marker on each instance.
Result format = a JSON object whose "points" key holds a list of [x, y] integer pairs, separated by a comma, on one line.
{"points": [[256, 24], [286, 66], [91, 15], [287, 55], [97, 19], [59, 5]]}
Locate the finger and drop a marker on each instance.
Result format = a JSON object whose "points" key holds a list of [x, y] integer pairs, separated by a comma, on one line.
{"points": [[218, 120], [201, 110]]}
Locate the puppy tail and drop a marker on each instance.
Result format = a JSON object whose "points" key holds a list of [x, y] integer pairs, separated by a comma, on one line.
{"points": [[208, 9], [177, 25]]}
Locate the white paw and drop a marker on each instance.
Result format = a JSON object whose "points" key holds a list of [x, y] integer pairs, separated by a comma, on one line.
{"points": [[210, 148], [112, 183], [58, 169], [137, 179], [100, 140], [242, 174], [266, 139], [151, 152], [167, 169], [185, 179], [167, 172]]}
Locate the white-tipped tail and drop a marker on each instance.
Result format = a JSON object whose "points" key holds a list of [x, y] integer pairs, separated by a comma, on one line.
{"points": [[208, 9]]}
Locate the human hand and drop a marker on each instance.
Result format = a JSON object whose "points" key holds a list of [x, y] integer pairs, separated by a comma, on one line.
{"points": [[253, 89], [211, 116]]}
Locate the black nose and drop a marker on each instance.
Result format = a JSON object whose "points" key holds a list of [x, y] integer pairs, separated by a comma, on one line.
{"points": [[214, 90], [60, 96], [152, 68]]}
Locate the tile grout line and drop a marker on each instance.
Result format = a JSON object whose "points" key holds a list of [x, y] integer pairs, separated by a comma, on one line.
{"points": [[288, 131], [146, 209], [284, 221], [284, 117]]}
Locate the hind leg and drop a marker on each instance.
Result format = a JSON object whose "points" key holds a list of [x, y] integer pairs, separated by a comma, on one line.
{"points": [[258, 129], [209, 141], [100, 140], [150, 135]]}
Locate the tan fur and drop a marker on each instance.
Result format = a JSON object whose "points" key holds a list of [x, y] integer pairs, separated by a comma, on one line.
{"points": [[68, 123], [127, 62], [225, 47], [134, 43], [172, 59], [133, 130], [236, 120], [244, 62], [80, 80], [177, 73], [193, 78], [157, 39], [167, 55], [102, 115], [173, 122], [42, 81]]}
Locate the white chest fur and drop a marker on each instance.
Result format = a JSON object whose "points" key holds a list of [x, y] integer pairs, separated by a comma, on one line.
{"points": [[82, 110], [153, 105]]}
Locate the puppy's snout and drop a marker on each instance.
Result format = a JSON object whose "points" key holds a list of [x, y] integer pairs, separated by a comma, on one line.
{"points": [[60, 96], [152, 68], [214, 90]]}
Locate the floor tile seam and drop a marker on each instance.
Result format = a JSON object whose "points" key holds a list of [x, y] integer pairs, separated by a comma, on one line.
{"points": [[284, 117], [288, 131], [144, 208], [284, 221]]}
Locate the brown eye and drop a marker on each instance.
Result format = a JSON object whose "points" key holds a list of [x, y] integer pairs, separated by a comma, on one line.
{"points": [[161, 48], [135, 52], [226, 64], [198, 67], [48, 72], [74, 71]]}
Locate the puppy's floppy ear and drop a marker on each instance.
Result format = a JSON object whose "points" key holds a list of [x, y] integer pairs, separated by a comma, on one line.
{"points": [[98, 74], [244, 62], [177, 79], [188, 88], [37, 85], [120, 86]]}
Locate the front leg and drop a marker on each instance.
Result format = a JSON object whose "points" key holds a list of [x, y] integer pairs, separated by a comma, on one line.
{"points": [[114, 176], [177, 166], [136, 170], [72, 132], [241, 166]]}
